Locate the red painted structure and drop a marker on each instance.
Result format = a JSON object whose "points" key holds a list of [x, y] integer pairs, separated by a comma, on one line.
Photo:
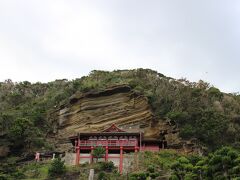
{"points": [[113, 139]]}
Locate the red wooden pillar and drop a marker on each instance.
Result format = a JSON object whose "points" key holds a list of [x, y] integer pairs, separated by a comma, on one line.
{"points": [[106, 156], [91, 156], [121, 160], [77, 147], [79, 150], [76, 152], [135, 149]]}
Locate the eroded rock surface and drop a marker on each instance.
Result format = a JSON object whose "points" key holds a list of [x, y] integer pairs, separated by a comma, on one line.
{"points": [[95, 111]]}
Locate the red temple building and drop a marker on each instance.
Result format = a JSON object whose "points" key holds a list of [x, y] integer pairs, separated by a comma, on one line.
{"points": [[116, 142]]}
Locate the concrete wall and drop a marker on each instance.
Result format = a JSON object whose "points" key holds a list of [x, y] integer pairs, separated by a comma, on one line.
{"points": [[85, 160], [114, 160], [69, 158], [129, 160]]}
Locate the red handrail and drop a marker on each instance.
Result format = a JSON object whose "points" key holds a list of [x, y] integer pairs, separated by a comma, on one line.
{"points": [[123, 142]]}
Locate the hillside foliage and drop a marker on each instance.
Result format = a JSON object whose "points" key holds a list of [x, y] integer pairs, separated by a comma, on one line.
{"points": [[199, 110]]}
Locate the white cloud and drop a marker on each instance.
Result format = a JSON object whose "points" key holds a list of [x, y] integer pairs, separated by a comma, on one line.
{"points": [[45, 40]]}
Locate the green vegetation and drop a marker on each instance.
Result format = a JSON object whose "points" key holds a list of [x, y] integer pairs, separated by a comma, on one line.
{"points": [[9, 170], [36, 170], [98, 152], [161, 160], [102, 171], [155, 165], [57, 168], [107, 166], [102, 176], [40, 171], [199, 110], [222, 164]]}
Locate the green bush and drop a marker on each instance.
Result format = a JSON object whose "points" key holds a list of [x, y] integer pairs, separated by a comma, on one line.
{"points": [[173, 177], [107, 166], [4, 176], [57, 168], [98, 152], [179, 117], [214, 92], [102, 176], [154, 175], [151, 169], [18, 175], [138, 176]]}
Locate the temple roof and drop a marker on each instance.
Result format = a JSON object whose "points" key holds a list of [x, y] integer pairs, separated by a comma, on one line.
{"points": [[110, 131], [113, 128]]}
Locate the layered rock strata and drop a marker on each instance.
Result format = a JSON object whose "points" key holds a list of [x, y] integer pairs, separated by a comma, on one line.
{"points": [[95, 111]]}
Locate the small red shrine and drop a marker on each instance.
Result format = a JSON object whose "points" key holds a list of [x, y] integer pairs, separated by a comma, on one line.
{"points": [[115, 141]]}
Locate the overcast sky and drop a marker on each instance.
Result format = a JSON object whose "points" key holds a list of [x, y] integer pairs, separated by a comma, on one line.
{"points": [[46, 40]]}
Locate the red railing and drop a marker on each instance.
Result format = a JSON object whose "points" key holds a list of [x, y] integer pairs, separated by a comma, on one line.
{"points": [[108, 142]]}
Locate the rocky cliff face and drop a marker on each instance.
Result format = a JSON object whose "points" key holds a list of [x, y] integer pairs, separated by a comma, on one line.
{"points": [[94, 111]]}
